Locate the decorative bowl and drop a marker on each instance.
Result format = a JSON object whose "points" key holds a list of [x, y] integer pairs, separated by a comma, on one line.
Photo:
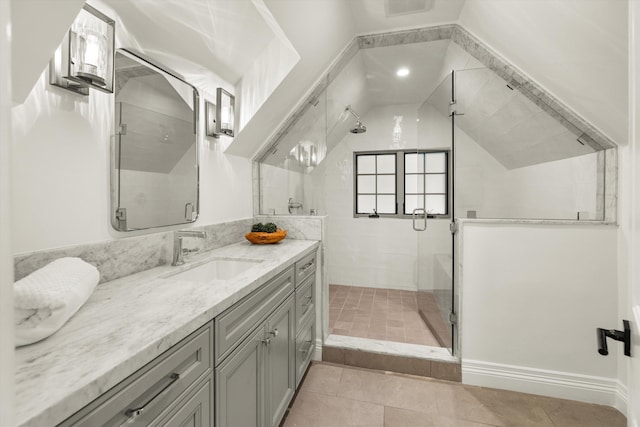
{"points": [[260, 238]]}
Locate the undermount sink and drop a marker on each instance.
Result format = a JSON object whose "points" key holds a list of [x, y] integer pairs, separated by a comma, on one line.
{"points": [[216, 269]]}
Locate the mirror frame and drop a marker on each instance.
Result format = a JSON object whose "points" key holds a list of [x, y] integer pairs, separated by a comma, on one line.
{"points": [[114, 161]]}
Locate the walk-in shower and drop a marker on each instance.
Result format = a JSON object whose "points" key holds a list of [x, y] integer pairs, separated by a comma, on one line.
{"points": [[439, 148]]}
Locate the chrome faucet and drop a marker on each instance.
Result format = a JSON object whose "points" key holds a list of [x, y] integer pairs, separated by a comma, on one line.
{"points": [[294, 205], [178, 252]]}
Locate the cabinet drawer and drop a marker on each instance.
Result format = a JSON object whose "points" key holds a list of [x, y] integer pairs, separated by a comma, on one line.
{"points": [[143, 396], [305, 267], [238, 321], [304, 300], [305, 346]]}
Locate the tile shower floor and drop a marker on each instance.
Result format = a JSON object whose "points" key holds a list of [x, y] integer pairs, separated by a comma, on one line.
{"points": [[381, 314], [339, 396]]}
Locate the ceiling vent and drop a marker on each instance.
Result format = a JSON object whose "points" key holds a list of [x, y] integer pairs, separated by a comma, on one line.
{"points": [[406, 7]]}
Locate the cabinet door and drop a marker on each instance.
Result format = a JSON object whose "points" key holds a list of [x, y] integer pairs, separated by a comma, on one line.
{"points": [[239, 384], [280, 361], [195, 412]]}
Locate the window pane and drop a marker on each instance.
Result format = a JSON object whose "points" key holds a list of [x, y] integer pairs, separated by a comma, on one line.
{"points": [[436, 205], [414, 183], [366, 184], [412, 202], [387, 184], [387, 163], [366, 164], [387, 204], [436, 162], [436, 183], [414, 163], [366, 204]]}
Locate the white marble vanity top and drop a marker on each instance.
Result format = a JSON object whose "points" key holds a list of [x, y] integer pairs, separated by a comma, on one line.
{"points": [[127, 323]]}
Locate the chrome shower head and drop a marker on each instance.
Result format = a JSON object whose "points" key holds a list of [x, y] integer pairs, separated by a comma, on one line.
{"points": [[358, 127]]}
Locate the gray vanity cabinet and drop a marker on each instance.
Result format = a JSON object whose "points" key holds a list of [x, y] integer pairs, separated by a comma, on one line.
{"points": [[172, 390], [195, 412], [280, 361], [239, 384], [305, 314], [256, 382]]}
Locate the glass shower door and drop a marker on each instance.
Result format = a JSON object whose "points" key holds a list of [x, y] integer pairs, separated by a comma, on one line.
{"points": [[429, 199]]}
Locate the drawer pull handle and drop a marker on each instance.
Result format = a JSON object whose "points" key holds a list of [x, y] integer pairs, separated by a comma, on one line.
{"points": [[266, 341], [274, 333], [306, 266], [136, 412]]}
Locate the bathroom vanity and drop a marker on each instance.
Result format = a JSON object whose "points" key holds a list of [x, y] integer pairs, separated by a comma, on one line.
{"points": [[170, 347]]}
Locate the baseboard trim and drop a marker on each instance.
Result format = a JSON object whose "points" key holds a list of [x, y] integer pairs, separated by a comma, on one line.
{"points": [[317, 354], [622, 398], [565, 385]]}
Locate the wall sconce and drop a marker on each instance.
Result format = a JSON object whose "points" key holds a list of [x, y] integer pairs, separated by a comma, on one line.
{"points": [[225, 112], [84, 59]]}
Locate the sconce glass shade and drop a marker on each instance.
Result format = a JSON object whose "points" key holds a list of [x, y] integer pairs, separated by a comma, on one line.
{"points": [[84, 59], [225, 112]]}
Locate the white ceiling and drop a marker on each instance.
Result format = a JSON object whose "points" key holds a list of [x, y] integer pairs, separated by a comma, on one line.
{"points": [[424, 62], [225, 36], [370, 15]]}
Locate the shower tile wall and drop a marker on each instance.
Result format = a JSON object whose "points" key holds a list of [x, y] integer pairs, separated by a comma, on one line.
{"points": [[381, 314]]}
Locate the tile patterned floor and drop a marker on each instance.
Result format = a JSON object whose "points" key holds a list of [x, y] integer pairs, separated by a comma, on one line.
{"points": [[339, 396], [382, 314]]}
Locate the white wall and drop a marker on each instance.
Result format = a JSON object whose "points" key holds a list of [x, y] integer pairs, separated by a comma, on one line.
{"points": [[532, 298], [7, 397], [629, 234], [60, 176], [576, 49]]}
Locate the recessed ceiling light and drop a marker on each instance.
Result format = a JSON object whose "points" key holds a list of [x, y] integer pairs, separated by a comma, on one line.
{"points": [[402, 72]]}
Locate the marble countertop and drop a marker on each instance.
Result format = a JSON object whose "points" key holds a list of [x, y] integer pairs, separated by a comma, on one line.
{"points": [[127, 323]]}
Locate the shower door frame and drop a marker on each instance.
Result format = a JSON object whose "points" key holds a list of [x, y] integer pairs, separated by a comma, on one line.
{"points": [[452, 316]]}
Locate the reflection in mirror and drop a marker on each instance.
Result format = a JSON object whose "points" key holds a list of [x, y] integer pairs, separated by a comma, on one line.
{"points": [[154, 172]]}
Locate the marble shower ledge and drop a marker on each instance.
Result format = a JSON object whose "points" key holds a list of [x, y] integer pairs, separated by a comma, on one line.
{"points": [[533, 221], [126, 324], [390, 347], [305, 227]]}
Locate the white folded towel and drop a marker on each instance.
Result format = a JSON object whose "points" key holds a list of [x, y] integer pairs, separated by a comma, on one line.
{"points": [[48, 297]]}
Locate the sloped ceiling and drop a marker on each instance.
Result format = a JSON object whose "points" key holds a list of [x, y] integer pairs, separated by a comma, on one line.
{"points": [[37, 27], [509, 126], [575, 49], [225, 36], [556, 55]]}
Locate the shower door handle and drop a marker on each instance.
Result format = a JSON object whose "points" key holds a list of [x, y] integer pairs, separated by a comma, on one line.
{"points": [[414, 216]]}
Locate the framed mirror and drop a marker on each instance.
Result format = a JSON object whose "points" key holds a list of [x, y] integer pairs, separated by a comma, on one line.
{"points": [[154, 156]]}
